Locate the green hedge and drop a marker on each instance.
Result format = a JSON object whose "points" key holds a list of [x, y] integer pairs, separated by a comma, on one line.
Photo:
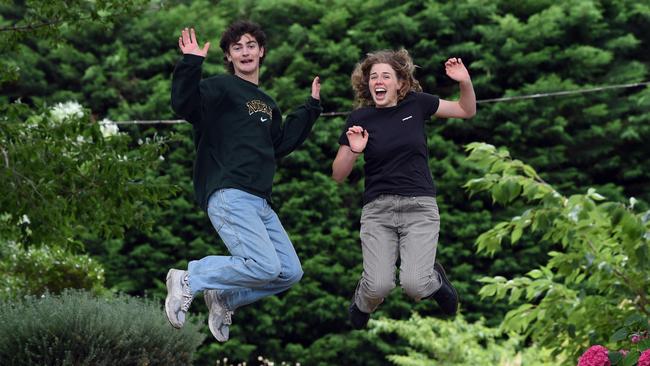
{"points": [[37, 270], [76, 328]]}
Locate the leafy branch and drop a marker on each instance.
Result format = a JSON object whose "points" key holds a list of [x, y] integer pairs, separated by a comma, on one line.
{"points": [[34, 26], [604, 255]]}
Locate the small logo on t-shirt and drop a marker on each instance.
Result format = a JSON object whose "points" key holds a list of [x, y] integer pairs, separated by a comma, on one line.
{"points": [[263, 119], [258, 106], [406, 118]]}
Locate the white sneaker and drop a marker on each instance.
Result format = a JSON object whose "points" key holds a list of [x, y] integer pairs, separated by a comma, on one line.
{"points": [[179, 297], [220, 317]]}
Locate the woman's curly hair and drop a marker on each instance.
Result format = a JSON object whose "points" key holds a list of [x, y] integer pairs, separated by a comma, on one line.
{"points": [[399, 60]]}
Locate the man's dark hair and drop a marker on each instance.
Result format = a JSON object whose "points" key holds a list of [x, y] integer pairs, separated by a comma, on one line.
{"points": [[233, 33]]}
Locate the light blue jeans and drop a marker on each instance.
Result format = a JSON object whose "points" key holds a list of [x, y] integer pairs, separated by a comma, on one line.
{"points": [[263, 261]]}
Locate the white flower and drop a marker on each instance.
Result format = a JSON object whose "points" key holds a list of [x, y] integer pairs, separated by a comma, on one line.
{"points": [[161, 158], [108, 128], [80, 139], [70, 109], [24, 220], [575, 211]]}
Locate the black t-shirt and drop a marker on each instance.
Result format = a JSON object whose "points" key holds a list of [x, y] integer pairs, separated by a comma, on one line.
{"points": [[396, 156]]}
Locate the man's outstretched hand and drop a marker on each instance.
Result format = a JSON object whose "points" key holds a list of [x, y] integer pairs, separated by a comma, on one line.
{"points": [[189, 46], [315, 88]]}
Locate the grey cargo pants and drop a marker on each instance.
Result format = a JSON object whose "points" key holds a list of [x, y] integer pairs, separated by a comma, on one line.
{"points": [[393, 226]]}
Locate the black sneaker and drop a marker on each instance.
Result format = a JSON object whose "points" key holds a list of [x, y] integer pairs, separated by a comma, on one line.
{"points": [[358, 318], [446, 296]]}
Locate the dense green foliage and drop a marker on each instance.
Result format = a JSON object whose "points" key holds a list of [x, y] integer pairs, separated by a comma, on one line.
{"points": [[75, 328], [49, 20], [37, 270], [435, 342], [60, 173], [60, 177], [119, 67], [39, 147], [633, 337], [596, 282]]}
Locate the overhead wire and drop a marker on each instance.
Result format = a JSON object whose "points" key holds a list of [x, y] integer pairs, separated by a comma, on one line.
{"points": [[481, 101]]}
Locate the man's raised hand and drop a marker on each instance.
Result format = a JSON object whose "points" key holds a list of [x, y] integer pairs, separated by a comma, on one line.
{"points": [[188, 44], [315, 88]]}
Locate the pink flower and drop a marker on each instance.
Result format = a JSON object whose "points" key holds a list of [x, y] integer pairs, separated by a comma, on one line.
{"points": [[644, 359], [636, 338], [595, 356]]}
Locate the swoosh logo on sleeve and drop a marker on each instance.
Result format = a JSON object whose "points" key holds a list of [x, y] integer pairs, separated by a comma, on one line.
{"points": [[263, 119]]}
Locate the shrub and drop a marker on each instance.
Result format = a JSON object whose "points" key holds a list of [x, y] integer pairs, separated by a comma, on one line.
{"points": [[631, 346], [456, 342], [76, 328], [595, 277], [35, 271]]}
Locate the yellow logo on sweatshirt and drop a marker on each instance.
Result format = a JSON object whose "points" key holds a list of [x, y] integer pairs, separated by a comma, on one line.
{"points": [[259, 106]]}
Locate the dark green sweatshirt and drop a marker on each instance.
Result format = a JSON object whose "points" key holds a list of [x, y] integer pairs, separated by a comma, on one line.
{"points": [[238, 130]]}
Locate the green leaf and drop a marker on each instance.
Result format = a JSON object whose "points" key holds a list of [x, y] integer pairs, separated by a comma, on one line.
{"points": [[632, 227], [515, 295], [512, 190], [571, 329], [477, 185], [499, 195], [614, 357], [529, 171], [488, 291], [516, 234], [619, 335], [633, 319], [642, 256], [486, 279], [591, 193], [631, 358]]}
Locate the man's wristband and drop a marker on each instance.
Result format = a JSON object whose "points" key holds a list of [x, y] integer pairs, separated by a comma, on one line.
{"points": [[356, 152]]}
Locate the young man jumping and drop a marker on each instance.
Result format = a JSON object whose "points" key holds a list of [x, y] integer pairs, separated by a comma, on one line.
{"points": [[238, 135]]}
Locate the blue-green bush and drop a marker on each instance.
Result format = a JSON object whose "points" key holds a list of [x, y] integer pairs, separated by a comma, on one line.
{"points": [[76, 328]]}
